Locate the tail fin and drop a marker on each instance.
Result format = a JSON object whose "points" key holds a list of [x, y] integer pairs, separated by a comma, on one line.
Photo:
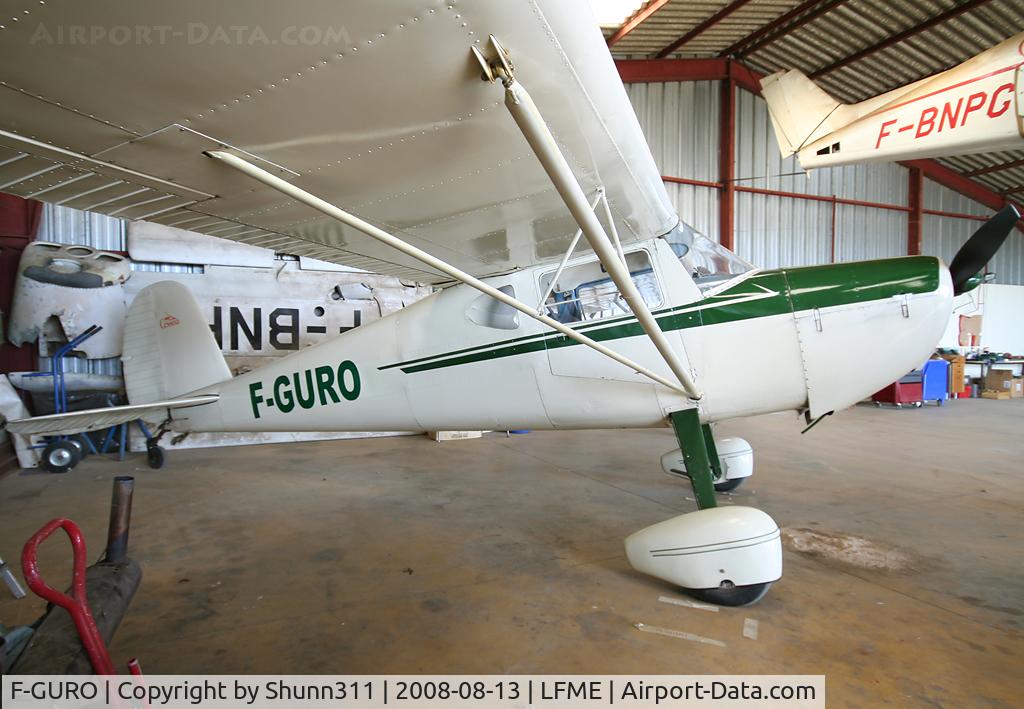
{"points": [[168, 347], [800, 110]]}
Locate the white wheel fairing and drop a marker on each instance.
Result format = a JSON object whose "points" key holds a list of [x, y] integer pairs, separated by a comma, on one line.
{"points": [[704, 549]]}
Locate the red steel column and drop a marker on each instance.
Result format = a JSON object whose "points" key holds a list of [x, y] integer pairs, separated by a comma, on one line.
{"points": [[727, 161], [19, 219], [915, 218]]}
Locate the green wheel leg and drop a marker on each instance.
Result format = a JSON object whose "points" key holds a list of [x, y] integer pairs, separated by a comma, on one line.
{"points": [[713, 459], [695, 446]]}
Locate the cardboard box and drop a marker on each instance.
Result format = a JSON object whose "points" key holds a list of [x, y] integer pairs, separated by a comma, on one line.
{"points": [[957, 372], [1017, 388], [999, 380], [454, 435], [989, 394]]}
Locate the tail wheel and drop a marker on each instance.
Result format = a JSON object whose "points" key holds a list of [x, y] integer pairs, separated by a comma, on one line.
{"points": [[155, 456], [61, 456]]}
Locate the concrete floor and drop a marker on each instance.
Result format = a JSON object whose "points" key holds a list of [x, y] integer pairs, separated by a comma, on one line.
{"points": [[504, 555]]}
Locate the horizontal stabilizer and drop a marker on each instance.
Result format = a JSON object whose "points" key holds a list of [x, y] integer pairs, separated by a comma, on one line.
{"points": [[94, 419]]}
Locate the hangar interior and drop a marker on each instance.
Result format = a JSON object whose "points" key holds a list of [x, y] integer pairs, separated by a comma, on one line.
{"points": [[502, 552]]}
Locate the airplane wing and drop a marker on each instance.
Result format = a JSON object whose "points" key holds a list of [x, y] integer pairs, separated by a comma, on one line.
{"points": [[374, 106], [95, 419]]}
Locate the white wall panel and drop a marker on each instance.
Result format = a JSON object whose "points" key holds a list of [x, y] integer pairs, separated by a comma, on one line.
{"points": [[779, 231], [758, 160], [869, 233], [1008, 264], [680, 120]]}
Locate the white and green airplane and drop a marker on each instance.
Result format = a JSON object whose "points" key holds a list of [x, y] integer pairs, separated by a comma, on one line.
{"points": [[571, 294]]}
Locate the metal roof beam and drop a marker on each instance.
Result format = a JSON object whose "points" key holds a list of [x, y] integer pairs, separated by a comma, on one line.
{"points": [[702, 27], [896, 38], [812, 15], [994, 168], [765, 29], [633, 71], [636, 20]]}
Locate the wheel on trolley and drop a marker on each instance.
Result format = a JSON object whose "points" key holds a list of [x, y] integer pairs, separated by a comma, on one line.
{"points": [[62, 456]]}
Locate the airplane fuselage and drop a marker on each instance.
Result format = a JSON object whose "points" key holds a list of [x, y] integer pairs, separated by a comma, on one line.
{"points": [[820, 338], [974, 107]]}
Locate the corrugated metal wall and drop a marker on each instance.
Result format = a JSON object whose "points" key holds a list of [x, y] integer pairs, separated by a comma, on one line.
{"points": [[942, 236], [680, 120], [63, 225]]}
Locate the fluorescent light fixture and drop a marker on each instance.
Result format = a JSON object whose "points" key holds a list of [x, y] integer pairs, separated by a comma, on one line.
{"points": [[612, 13]]}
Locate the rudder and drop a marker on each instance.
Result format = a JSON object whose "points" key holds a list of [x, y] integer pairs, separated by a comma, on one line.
{"points": [[799, 109], [168, 347]]}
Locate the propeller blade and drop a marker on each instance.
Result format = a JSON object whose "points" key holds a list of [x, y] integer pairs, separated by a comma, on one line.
{"points": [[981, 247]]}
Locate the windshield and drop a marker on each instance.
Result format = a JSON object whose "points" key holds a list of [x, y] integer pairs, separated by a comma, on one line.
{"points": [[708, 262]]}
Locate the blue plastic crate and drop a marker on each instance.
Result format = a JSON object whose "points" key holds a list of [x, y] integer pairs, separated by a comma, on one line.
{"points": [[936, 381]]}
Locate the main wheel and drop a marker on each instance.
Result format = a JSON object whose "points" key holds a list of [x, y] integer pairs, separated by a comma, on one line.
{"points": [[61, 456], [730, 595], [729, 485], [155, 456]]}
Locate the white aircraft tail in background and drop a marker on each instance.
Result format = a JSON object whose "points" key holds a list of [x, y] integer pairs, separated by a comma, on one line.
{"points": [[169, 350], [972, 108]]}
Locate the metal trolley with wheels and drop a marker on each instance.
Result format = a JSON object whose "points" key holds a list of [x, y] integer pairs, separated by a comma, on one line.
{"points": [[64, 452]]}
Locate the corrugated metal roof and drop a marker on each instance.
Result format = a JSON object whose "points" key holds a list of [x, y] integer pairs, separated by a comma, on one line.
{"points": [[843, 29], [856, 25], [1002, 180], [678, 17]]}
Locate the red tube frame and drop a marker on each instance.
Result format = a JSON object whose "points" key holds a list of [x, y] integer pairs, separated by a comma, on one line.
{"points": [[77, 604]]}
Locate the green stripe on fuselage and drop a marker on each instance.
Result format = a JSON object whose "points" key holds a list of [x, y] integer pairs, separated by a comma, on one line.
{"points": [[764, 294], [861, 281]]}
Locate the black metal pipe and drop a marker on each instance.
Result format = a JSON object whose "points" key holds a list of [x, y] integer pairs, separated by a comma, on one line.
{"points": [[120, 519]]}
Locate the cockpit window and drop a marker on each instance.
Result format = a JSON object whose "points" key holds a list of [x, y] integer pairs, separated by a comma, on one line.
{"points": [[586, 292], [708, 262]]}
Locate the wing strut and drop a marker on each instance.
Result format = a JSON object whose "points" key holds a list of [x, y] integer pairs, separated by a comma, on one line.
{"points": [[310, 200], [538, 135], [566, 257]]}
